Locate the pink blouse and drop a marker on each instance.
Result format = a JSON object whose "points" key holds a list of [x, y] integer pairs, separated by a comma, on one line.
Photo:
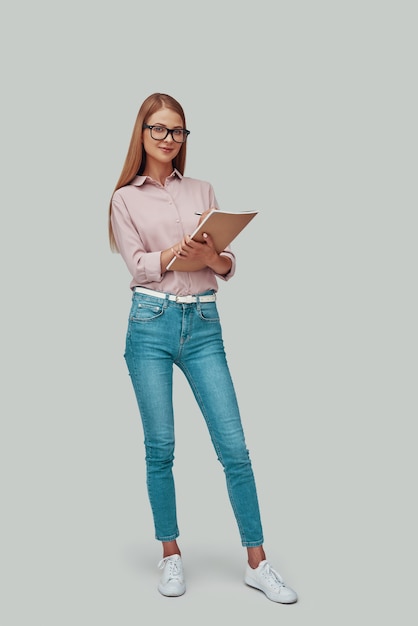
{"points": [[148, 217]]}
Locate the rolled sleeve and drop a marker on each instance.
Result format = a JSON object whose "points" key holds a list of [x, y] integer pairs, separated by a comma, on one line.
{"points": [[151, 262], [231, 272], [144, 266]]}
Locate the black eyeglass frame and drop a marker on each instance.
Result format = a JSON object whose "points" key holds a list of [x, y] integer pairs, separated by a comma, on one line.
{"points": [[185, 132]]}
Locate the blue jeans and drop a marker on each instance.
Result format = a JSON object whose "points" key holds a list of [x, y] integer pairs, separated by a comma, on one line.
{"points": [[162, 333]]}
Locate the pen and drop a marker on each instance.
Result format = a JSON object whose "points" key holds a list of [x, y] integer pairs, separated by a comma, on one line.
{"points": [[197, 213]]}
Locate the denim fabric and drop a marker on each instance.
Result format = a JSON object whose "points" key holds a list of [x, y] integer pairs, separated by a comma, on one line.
{"points": [[162, 333]]}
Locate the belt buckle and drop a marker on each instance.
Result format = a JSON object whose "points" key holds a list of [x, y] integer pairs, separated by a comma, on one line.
{"points": [[186, 299]]}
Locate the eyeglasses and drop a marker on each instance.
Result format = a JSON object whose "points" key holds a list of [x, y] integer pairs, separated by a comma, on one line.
{"points": [[159, 133]]}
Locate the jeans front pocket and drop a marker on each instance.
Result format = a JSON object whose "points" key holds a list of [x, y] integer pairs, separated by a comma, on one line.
{"points": [[208, 311], [145, 309]]}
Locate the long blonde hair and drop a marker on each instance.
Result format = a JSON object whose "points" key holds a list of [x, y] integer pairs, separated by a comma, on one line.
{"points": [[136, 157]]}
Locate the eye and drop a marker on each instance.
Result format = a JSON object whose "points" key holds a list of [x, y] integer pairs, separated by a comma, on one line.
{"points": [[159, 129]]}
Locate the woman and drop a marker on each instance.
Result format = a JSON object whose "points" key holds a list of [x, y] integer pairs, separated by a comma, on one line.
{"points": [[174, 321]]}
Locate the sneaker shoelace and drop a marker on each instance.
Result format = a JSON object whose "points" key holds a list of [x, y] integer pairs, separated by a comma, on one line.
{"points": [[174, 569], [272, 577]]}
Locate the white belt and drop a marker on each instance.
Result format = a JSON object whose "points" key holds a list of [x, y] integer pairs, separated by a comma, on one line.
{"points": [[174, 298]]}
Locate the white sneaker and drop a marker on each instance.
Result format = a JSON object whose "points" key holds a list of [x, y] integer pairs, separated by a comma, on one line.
{"points": [[265, 578], [172, 579]]}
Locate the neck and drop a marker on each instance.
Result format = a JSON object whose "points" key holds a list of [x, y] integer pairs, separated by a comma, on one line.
{"points": [[158, 172]]}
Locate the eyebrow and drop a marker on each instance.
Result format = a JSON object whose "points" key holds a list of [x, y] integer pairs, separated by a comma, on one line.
{"points": [[164, 125]]}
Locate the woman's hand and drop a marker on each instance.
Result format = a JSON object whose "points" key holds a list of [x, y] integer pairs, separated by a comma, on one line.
{"points": [[192, 250], [204, 252], [205, 214]]}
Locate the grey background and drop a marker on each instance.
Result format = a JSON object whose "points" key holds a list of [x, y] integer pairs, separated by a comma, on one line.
{"points": [[305, 111]]}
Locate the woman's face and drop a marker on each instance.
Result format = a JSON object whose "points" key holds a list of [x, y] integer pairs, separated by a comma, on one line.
{"points": [[162, 151]]}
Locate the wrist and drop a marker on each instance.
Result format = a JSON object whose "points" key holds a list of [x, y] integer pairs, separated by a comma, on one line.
{"points": [[221, 264]]}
